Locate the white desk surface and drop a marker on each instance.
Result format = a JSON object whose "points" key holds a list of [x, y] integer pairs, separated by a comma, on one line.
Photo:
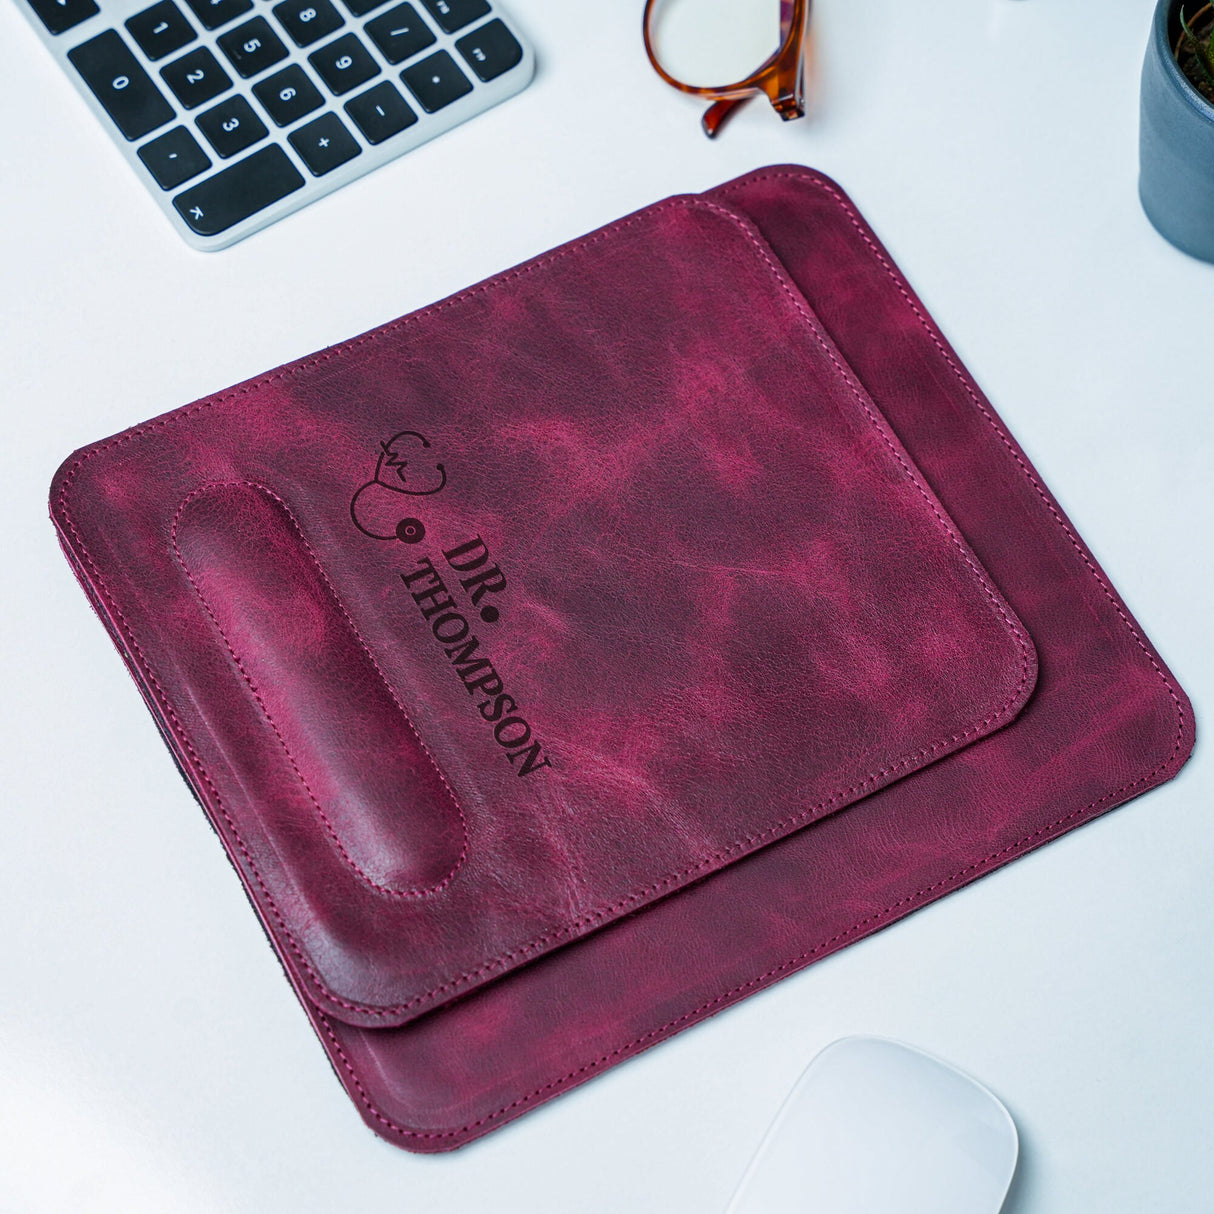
{"points": [[151, 1055]]}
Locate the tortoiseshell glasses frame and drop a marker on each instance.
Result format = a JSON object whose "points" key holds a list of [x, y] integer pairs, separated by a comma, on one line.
{"points": [[780, 78]]}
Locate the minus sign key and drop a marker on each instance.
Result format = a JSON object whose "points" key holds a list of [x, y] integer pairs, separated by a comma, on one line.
{"points": [[380, 112]]}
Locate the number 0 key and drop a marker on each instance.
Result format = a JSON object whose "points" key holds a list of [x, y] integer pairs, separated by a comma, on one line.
{"points": [[124, 89]]}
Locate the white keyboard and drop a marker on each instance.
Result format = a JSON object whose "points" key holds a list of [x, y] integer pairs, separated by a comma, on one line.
{"points": [[235, 113]]}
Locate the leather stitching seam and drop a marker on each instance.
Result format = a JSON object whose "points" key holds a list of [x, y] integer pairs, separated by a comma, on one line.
{"points": [[652, 1036]]}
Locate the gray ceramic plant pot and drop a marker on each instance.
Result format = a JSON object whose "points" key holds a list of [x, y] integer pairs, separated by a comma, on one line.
{"points": [[1175, 143]]}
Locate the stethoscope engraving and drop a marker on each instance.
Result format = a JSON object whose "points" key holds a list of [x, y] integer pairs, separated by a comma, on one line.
{"points": [[394, 471]]}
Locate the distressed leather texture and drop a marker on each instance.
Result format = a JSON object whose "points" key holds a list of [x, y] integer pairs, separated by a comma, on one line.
{"points": [[751, 568]]}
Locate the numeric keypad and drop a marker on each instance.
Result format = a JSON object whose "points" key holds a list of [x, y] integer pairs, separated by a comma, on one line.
{"points": [[296, 96]]}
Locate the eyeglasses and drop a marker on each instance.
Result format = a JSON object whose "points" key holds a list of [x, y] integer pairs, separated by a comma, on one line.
{"points": [[780, 77]]}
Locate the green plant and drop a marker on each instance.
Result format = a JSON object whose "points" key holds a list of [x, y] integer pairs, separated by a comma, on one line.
{"points": [[1199, 46]]}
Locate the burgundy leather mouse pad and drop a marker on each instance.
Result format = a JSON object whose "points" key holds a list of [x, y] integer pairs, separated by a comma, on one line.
{"points": [[608, 641], [513, 617]]}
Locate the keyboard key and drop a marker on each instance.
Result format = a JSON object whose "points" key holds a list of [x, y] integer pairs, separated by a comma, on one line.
{"points": [[250, 185], [196, 78], [61, 15], [400, 33], [161, 30], [360, 8], [125, 90], [252, 47], [232, 126], [214, 13], [324, 144], [490, 50], [344, 64], [288, 95], [436, 81], [174, 157], [453, 15], [308, 21], [380, 113]]}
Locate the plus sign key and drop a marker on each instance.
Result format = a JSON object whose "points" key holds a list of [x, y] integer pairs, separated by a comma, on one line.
{"points": [[324, 144]]}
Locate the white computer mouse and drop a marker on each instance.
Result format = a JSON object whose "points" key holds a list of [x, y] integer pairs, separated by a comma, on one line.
{"points": [[876, 1127]]}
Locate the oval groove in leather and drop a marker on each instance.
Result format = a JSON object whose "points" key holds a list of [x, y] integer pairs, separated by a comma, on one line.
{"points": [[372, 784]]}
